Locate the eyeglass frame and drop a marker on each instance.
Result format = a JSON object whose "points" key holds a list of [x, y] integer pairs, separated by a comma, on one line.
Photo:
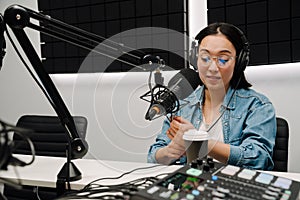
{"points": [[213, 58]]}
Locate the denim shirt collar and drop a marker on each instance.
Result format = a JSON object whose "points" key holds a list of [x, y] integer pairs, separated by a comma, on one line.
{"points": [[197, 96], [229, 102]]}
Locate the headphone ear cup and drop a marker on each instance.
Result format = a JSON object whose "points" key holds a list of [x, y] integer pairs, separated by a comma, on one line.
{"points": [[242, 61], [243, 58], [193, 58]]}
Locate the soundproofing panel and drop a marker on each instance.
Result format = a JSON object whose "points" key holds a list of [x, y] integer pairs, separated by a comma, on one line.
{"points": [[108, 18], [271, 26]]}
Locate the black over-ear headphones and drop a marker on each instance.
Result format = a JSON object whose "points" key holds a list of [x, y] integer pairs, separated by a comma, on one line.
{"points": [[242, 59]]}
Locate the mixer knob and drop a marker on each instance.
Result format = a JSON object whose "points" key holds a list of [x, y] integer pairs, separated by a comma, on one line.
{"points": [[199, 161], [206, 167], [194, 164]]}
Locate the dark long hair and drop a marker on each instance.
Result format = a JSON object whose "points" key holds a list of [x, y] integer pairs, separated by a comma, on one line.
{"points": [[240, 43]]}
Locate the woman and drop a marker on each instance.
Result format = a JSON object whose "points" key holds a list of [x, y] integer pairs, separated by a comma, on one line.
{"points": [[241, 121]]}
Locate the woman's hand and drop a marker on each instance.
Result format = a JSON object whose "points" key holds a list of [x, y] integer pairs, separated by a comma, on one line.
{"points": [[176, 147], [174, 150], [178, 124]]}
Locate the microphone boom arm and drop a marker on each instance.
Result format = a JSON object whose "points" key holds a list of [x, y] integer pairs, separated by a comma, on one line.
{"points": [[18, 17]]}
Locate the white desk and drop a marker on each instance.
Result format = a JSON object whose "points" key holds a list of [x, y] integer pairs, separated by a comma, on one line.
{"points": [[44, 170]]}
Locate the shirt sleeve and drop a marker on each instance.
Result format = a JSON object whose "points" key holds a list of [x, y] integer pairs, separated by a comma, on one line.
{"points": [[258, 139], [162, 140]]}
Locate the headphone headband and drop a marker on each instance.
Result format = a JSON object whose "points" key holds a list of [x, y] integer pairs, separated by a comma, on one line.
{"points": [[243, 57]]}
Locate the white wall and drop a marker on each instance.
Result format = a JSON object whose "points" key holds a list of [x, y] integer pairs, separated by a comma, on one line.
{"points": [[19, 93], [197, 16], [117, 129]]}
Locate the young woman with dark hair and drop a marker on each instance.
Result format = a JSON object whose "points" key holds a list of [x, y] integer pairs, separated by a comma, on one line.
{"points": [[241, 121]]}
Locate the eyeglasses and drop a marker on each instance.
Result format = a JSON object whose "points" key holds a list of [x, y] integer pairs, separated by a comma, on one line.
{"points": [[222, 61]]}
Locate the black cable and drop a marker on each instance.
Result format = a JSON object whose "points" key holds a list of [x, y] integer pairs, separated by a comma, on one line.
{"points": [[216, 121], [31, 145], [136, 182], [119, 191], [21, 132], [118, 177]]}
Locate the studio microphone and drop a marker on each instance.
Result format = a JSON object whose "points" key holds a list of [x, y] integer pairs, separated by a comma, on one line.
{"points": [[165, 100]]}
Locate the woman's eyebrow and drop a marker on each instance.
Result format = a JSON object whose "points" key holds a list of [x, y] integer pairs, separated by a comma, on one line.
{"points": [[225, 51], [204, 50], [222, 51]]}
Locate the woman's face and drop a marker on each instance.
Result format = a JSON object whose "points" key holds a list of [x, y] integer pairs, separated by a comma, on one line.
{"points": [[216, 60]]}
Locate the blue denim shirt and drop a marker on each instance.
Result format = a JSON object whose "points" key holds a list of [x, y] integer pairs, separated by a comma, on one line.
{"points": [[249, 126]]}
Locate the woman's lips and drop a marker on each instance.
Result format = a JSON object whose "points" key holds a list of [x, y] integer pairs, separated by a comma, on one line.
{"points": [[213, 77]]}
